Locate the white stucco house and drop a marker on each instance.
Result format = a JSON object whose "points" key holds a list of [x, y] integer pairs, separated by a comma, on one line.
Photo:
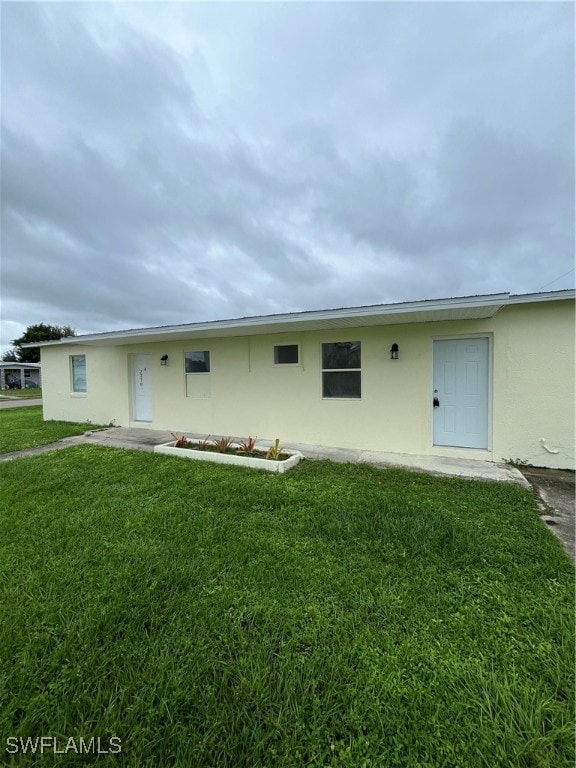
{"points": [[488, 377]]}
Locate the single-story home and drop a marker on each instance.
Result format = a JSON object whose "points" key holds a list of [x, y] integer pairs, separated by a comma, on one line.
{"points": [[20, 375], [488, 377]]}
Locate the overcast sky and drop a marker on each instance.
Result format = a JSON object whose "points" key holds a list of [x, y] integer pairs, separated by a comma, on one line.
{"points": [[179, 162]]}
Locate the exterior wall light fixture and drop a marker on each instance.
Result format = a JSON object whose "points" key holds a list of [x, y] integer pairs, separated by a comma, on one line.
{"points": [[394, 351], [164, 360]]}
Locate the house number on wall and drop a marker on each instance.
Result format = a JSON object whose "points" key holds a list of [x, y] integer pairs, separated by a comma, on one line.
{"points": [[141, 378]]}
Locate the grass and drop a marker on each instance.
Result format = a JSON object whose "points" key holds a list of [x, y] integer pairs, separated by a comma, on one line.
{"points": [[337, 615], [24, 428], [25, 394]]}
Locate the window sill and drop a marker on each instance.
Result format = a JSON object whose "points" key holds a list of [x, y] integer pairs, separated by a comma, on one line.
{"points": [[78, 394], [344, 399]]}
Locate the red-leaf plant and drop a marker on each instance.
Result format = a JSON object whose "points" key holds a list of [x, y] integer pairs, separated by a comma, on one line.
{"points": [[180, 441], [248, 445]]}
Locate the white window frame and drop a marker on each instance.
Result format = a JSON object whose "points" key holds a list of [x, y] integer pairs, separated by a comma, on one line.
{"points": [[73, 383], [339, 370]]}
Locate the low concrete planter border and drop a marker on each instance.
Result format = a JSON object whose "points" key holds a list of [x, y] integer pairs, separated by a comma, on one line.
{"points": [[269, 465]]}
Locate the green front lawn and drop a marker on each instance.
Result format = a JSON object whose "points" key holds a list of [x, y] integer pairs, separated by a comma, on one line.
{"points": [[24, 428], [337, 615]]}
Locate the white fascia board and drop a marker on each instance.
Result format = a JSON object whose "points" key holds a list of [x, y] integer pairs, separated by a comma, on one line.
{"points": [[291, 320], [16, 364], [496, 301], [531, 298]]}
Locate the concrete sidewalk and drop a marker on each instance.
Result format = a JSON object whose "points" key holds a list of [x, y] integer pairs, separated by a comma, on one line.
{"points": [[146, 439], [19, 402]]}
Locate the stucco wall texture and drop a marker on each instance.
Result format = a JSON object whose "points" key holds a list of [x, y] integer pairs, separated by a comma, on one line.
{"points": [[531, 395]]}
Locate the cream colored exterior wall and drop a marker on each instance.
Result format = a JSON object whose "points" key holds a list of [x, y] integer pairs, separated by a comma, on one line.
{"points": [[532, 391], [106, 398]]}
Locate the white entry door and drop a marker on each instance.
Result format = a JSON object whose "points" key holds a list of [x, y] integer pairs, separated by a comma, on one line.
{"points": [[142, 387], [460, 397]]}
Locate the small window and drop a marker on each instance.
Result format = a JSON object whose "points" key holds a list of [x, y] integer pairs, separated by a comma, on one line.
{"points": [[341, 373], [286, 354], [78, 372], [198, 362]]}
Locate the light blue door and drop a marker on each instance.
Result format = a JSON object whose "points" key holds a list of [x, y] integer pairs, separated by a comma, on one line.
{"points": [[142, 387], [460, 397]]}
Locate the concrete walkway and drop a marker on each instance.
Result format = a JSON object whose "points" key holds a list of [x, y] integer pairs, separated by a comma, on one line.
{"points": [[19, 402], [146, 439]]}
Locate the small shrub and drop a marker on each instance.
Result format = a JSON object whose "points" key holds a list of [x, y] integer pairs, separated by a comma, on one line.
{"points": [[180, 441], [223, 444], [204, 445], [274, 451]]}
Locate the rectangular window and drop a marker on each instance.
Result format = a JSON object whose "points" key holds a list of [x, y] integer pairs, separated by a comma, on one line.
{"points": [[78, 372], [198, 362], [286, 354], [341, 372]]}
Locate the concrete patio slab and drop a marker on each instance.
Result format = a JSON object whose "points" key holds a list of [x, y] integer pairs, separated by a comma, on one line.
{"points": [[435, 465]]}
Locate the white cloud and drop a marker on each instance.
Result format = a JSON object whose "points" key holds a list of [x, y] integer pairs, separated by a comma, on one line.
{"points": [[180, 162]]}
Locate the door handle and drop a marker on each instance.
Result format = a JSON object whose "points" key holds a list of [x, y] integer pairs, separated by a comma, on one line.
{"points": [[436, 402]]}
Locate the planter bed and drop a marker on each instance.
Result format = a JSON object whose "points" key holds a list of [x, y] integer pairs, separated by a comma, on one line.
{"points": [[289, 460]]}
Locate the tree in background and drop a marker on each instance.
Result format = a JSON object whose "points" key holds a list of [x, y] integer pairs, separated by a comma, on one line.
{"points": [[39, 332]]}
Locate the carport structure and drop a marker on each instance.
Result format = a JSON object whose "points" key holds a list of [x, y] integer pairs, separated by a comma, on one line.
{"points": [[25, 374]]}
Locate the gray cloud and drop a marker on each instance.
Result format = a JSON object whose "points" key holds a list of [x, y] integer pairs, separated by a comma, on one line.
{"points": [[166, 164]]}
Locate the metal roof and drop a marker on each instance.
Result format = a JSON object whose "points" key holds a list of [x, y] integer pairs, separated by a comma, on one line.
{"points": [[430, 310]]}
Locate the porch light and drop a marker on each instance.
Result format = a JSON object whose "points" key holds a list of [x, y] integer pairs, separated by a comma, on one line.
{"points": [[164, 360], [394, 352]]}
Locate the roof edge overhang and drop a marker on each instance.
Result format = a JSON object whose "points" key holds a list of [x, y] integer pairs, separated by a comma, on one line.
{"points": [[16, 364], [431, 310], [532, 298]]}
